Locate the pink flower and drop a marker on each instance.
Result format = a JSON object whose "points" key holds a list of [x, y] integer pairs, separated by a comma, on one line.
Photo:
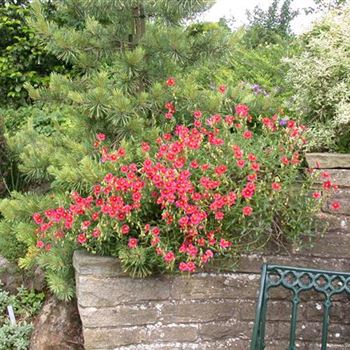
{"points": [[40, 244], [169, 257], [335, 205], [197, 114], [37, 218], [247, 134], [225, 244], [191, 266], [316, 195], [183, 266], [125, 229], [169, 115], [222, 89], [133, 242], [247, 210], [145, 147], [101, 137], [82, 238], [242, 110], [219, 215], [155, 231], [221, 169], [276, 186], [96, 233]]}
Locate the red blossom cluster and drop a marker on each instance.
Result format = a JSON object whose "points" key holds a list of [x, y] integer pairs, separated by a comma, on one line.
{"points": [[196, 176]]}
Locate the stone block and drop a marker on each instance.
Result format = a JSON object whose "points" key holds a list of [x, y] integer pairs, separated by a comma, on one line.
{"points": [[108, 292], [199, 311], [328, 160]]}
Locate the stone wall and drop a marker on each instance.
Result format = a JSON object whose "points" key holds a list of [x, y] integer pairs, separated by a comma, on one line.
{"points": [[211, 310]]}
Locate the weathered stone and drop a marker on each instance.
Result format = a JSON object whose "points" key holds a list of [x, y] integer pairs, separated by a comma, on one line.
{"points": [[215, 286], [107, 292], [339, 177], [10, 278], [328, 160], [89, 264], [110, 338], [199, 312], [122, 315], [222, 330], [343, 197], [57, 327]]}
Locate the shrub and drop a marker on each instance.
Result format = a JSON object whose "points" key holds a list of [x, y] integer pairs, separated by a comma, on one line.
{"points": [[223, 186], [320, 77], [22, 58]]}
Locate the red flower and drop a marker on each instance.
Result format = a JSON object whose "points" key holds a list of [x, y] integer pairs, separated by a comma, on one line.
{"points": [[255, 166], [101, 137], [37, 218], [191, 266], [251, 157], [284, 160], [169, 115], [96, 233], [125, 229], [247, 192], [242, 110], [247, 211], [225, 244], [222, 89], [145, 147], [240, 163], [169, 257], [155, 231], [40, 244], [197, 114], [183, 266], [247, 134], [221, 169], [316, 195], [170, 81], [82, 238], [276, 186], [132, 243], [48, 247], [327, 185], [219, 215], [335, 205]]}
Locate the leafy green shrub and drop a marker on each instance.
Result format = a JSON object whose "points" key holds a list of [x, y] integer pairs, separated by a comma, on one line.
{"points": [[22, 58], [320, 77]]}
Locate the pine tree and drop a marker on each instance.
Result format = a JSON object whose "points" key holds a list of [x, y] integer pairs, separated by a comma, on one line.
{"points": [[121, 53]]}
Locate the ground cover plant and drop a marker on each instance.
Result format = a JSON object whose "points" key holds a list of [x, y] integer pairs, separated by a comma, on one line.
{"points": [[26, 304]]}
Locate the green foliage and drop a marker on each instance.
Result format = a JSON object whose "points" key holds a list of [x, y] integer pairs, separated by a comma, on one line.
{"points": [[121, 57], [271, 25], [22, 58], [26, 304], [320, 77]]}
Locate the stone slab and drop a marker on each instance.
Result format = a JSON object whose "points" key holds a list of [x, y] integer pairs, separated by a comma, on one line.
{"points": [[328, 160]]}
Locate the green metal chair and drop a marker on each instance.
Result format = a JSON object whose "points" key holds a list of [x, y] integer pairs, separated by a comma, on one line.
{"points": [[297, 280]]}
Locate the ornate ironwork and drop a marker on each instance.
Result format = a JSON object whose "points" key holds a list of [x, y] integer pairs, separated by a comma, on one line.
{"points": [[297, 280]]}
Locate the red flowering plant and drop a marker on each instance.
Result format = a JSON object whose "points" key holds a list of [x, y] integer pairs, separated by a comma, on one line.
{"points": [[218, 187]]}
